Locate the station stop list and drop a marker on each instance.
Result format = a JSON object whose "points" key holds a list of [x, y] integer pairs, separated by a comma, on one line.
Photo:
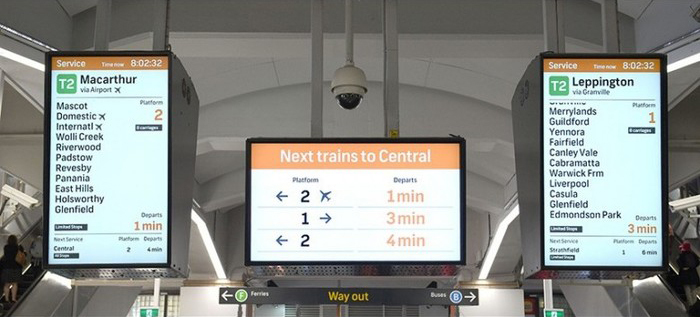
{"points": [[602, 162], [107, 158]]}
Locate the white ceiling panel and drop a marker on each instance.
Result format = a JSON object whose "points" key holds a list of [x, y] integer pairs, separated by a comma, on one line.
{"points": [[201, 267], [413, 72], [74, 7], [235, 82], [215, 164], [506, 69], [292, 71], [632, 8], [202, 67], [478, 86]]}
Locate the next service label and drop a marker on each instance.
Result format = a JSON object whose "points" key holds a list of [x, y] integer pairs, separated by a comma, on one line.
{"points": [[602, 142]]}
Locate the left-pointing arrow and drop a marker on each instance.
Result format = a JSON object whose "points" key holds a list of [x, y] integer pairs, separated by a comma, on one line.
{"points": [[280, 196], [280, 240], [226, 295]]}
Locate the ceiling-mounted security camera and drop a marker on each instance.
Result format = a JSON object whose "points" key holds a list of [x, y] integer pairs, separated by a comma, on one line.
{"points": [[684, 203], [19, 196], [349, 83]]}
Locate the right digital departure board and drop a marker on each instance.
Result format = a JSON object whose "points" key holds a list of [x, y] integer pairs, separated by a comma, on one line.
{"points": [[603, 161]]}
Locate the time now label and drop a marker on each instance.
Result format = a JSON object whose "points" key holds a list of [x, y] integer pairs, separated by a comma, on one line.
{"points": [[601, 132], [107, 160]]}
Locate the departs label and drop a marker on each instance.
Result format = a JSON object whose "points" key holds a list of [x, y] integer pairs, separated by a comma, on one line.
{"points": [[356, 202], [107, 160], [602, 142]]}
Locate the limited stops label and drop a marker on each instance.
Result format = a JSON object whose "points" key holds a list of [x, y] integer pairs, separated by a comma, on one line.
{"points": [[602, 145], [108, 160]]}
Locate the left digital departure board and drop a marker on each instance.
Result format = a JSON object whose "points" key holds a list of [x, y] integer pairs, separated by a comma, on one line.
{"points": [[107, 160]]}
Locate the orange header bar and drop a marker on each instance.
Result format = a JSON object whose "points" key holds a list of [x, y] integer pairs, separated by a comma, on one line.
{"points": [[355, 156], [611, 65], [108, 62]]}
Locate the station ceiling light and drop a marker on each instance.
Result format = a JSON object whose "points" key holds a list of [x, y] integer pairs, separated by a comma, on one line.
{"points": [[27, 40], [496, 242], [21, 59], [209, 245]]}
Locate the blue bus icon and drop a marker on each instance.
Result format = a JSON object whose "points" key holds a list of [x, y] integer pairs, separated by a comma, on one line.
{"points": [[456, 297]]}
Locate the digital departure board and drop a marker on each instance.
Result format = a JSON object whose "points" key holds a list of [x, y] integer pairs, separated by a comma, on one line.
{"points": [[107, 165], [603, 141], [330, 201]]}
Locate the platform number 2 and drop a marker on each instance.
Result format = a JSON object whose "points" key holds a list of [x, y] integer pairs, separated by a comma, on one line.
{"points": [[305, 240]]}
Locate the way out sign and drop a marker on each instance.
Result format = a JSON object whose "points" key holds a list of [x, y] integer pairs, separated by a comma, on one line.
{"points": [[348, 296], [149, 312], [554, 312]]}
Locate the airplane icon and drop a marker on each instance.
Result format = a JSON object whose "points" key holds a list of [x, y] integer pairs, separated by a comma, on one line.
{"points": [[326, 195]]}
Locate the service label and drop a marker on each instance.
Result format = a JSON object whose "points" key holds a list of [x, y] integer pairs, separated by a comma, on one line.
{"points": [[602, 143], [107, 160]]}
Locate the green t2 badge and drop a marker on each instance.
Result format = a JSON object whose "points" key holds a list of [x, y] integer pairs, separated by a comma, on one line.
{"points": [[559, 86], [66, 83]]}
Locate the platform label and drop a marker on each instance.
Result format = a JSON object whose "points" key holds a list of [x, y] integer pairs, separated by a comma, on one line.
{"points": [[107, 160], [356, 202], [602, 162]]}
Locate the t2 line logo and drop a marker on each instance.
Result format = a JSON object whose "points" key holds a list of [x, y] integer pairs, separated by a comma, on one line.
{"points": [[559, 86], [67, 83]]}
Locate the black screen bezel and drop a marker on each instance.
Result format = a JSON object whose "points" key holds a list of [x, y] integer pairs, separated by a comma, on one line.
{"points": [[47, 152], [664, 162], [463, 188]]}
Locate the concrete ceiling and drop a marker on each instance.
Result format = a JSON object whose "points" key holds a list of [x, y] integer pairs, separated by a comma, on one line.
{"points": [[73, 7], [632, 8]]}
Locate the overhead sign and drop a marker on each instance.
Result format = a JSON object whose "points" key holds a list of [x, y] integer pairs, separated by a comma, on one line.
{"points": [[313, 201], [149, 311], [107, 169], [348, 296], [603, 140], [553, 312]]}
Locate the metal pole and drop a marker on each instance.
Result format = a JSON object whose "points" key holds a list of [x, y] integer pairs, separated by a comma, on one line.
{"points": [[391, 69], [317, 69], [2, 91], [156, 292], [553, 25], [74, 309], [611, 29], [348, 33], [547, 290], [103, 17], [161, 24]]}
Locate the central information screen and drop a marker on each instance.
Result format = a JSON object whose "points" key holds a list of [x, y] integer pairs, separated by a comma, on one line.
{"points": [[315, 201], [107, 160], [603, 139]]}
